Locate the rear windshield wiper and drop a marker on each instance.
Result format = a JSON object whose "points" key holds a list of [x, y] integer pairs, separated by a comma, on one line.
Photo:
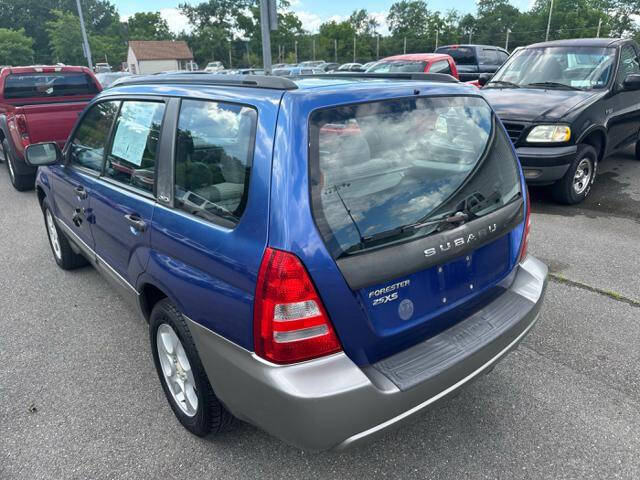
{"points": [[552, 85], [504, 83], [449, 219]]}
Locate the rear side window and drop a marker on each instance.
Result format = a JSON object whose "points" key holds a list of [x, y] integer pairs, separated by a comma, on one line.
{"points": [[214, 152], [461, 55], [134, 148], [379, 170], [488, 56], [43, 85], [90, 138], [441, 66]]}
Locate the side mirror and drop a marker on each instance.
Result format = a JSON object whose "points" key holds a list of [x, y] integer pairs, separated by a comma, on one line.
{"points": [[42, 154], [631, 82], [484, 78]]}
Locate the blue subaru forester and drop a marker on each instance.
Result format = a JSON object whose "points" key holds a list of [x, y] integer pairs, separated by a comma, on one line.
{"points": [[320, 256]]}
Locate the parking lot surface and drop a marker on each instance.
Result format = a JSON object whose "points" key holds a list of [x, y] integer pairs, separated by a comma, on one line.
{"points": [[79, 396]]}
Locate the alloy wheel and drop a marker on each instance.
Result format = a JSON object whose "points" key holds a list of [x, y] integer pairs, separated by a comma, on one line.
{"points": [[176, 370], [583, 175]]}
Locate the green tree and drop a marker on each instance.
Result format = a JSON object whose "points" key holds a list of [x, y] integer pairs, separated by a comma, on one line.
{"points": [[65, 42], [100, 16], [408, 18], [148, 26], [15, 47]]}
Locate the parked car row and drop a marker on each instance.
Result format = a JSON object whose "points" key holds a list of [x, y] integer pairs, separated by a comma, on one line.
{"points": [[323, 256]]}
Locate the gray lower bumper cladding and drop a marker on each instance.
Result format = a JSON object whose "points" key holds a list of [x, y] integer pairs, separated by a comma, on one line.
{"points": [[332, 403]]}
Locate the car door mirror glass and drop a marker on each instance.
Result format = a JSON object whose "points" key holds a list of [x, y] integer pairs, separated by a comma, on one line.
{"points": [[632, 82], [42, 154]]}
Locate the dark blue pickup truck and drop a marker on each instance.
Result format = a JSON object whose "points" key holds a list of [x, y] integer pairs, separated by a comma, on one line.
{"points": [[320, 256]]}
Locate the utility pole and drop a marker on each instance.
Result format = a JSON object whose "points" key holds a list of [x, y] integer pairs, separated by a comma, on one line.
{"points": [[335, 50], [404, 49], [599, 25], [354, 49], [230, 62], [470, 33], [85, 40], [248, 56], [313, 42], [268, 22], [546, 38], [506, 44], [378, 47], [437, 32], [295, 48]]}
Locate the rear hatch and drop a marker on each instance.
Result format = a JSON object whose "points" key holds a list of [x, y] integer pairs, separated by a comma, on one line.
{"points": [[419, 202]]}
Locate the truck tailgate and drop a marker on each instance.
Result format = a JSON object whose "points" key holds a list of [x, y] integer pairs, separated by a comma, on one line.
{"points": [[51, 121]]}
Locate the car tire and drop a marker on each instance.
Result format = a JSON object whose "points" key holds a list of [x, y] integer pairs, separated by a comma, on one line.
{"points": [[638, 150], [20, 182], [183, 378], [576, 184], [63, 254]]}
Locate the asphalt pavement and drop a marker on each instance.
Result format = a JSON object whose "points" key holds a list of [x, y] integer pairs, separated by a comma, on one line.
{"points": [[79, 397]]}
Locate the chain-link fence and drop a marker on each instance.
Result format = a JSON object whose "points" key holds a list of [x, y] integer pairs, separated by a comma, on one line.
{"points": [[368, 48]]}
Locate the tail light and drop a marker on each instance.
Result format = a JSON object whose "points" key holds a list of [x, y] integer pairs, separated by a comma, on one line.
{"points": [[290, 321], [21, 123], [527, 228]]}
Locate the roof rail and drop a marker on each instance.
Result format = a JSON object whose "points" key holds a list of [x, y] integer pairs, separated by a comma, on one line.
{"points": [[425, 77], [249, 81]]}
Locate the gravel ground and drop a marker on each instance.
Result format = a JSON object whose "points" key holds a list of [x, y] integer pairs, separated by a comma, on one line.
{"points": [[80, 397]]}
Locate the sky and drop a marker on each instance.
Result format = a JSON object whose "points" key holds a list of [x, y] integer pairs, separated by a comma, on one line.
{"points": [[312, 13]]}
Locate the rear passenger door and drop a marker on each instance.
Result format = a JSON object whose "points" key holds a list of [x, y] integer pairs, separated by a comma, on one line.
{"points": [[124, 197], [207, 241]]}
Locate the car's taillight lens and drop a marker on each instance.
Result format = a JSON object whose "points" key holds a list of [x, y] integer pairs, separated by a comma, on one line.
{"points": [[290, 321], [21, 123], [527, 227]]}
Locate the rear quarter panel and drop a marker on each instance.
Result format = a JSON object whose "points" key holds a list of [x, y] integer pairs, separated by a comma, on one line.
{"points": [[208, 270]]}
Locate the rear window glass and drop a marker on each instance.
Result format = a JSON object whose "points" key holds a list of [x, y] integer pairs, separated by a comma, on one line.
{"points": [[43, 85], [398, 66], [379, 170], [461, 55]]}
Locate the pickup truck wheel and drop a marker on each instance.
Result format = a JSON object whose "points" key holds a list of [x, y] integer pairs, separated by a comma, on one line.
{"points": [[19, 182], [63, 254], [181, 373], [576, 184]]}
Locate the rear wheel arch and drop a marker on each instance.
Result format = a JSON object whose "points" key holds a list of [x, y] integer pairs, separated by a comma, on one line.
{"points": [[150, 295]]}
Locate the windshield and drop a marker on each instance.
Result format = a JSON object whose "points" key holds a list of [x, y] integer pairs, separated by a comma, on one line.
{"points": [[379, 169], [386, 66], [575, 67]]}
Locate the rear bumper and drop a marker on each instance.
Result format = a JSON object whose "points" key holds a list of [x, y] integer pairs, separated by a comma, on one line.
{"points": [[332, 403], [544, 165]]}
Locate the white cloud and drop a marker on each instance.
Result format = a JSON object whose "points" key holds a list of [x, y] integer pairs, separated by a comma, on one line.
{"points": [[177, 21], [381, 17], [312, 21]]}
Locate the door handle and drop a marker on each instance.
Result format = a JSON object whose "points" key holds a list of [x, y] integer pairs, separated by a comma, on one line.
{"points": [[81, 193], [136, 222]]}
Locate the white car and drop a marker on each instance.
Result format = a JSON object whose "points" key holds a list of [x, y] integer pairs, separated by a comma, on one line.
{"points": [[214, 67]]}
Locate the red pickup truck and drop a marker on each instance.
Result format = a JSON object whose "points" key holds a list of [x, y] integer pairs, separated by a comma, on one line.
{"points": [[39, 104]]}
